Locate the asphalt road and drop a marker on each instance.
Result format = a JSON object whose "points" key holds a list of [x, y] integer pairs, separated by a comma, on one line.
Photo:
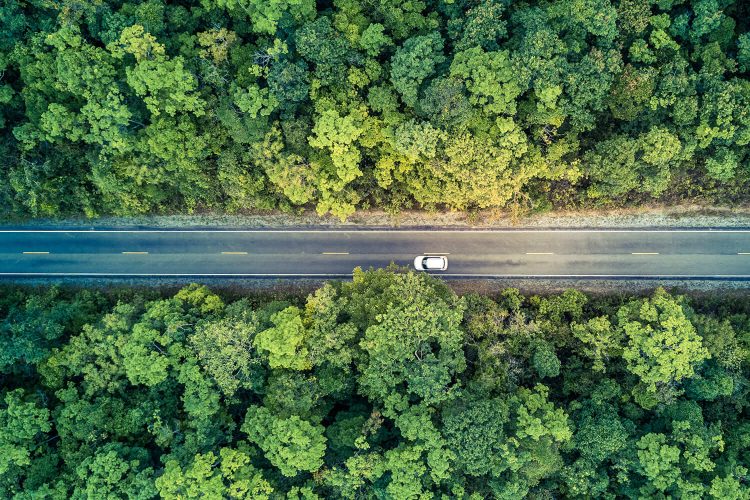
{"points": [[723, 254]]}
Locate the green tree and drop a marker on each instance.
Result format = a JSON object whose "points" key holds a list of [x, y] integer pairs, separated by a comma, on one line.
{"points": [[164, 84], [319, 43], [677, 460], [743, 51], [600, 341], [265, 16], [545, 362], [413, 62], [600, 434], [723, 165], [475, 430], [663, 347], [37, 324], [230, 475], [470, 172], [658, 460], [482, 25], [412, 352], [22, 425], [374, 39], [285, 343], [446, 104], [492, 79], [622, 165], [116, 471], [225, 350], [291, 444]]}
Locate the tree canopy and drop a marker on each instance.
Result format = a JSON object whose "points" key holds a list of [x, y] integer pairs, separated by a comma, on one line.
{"points": [[146, 106], [386, 386]]}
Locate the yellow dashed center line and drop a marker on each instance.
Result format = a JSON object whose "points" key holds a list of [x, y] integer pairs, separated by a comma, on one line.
{"points": [[135, 253], [233, 253], [335, 253], [645, 253], [35, 253]]}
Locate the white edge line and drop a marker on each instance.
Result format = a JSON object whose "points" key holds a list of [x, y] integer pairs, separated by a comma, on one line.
{"points": [[171, 274], [365, 230], [518, 276]]}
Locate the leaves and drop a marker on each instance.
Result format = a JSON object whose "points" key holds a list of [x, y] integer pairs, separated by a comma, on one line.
{"points": [[21, 424], [230, 475], [413, 62], [413, 350], [491, 78], [120, 109], [389, 385], [663, 346], [285, 342], [292, 444]]}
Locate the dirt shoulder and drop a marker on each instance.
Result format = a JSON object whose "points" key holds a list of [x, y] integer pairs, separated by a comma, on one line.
{"points": [[684, 216], [289, 287]]}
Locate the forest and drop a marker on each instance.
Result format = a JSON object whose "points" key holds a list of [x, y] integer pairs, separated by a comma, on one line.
{"points": [[139, 107], [389, 386]]}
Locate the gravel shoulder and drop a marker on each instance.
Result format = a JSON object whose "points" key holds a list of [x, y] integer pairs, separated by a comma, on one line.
{"points": [[683, 216], [279, 288]]}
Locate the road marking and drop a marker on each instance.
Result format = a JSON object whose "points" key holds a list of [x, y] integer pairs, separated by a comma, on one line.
{"points": [[335, 253], [436, 253], [539, 253], [644, 253], [743, 277], [743, 253], [238, 275], [233, 253], [135, 253], [366, 230], [35, 253]]}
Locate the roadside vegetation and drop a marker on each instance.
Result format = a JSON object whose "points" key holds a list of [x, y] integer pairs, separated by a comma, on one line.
{"points": [[125, 108], [388, 386]]}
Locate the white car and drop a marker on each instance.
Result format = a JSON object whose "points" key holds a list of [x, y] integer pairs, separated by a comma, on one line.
{"points": [[431, 263]]}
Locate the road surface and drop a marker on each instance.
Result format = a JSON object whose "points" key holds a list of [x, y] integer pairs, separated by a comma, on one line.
{"points": [[691, 254]]}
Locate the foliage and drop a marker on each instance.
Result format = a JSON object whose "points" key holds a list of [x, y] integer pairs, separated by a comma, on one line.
{"points": [[388, 386], [132, 107], [663, 346]]}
